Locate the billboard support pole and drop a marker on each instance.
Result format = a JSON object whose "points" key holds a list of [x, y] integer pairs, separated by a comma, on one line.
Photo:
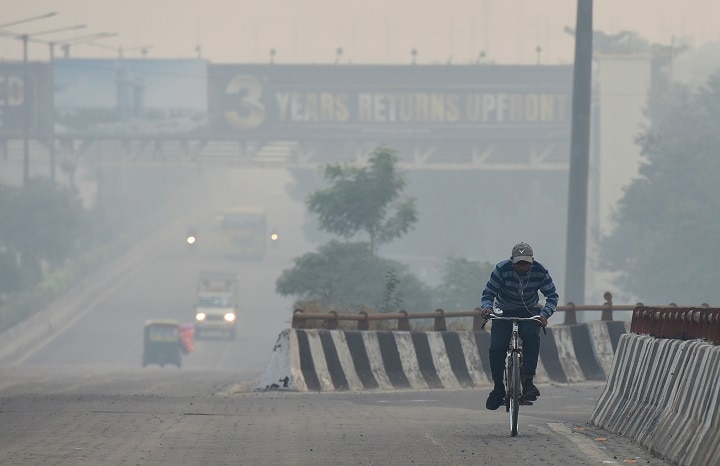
{"points": [[26, 113], [52, 120], [576, 242]]}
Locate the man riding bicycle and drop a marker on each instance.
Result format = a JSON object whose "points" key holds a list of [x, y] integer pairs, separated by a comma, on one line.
{"points": [[513, 286]]}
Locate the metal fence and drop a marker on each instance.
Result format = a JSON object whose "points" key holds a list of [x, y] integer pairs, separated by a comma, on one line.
{"points": [[681, 323], [331, 320], [671, 321]]}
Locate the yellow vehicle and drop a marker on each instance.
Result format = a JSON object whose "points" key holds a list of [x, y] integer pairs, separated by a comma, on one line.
{"points": [[244, 232], [162, 344]]}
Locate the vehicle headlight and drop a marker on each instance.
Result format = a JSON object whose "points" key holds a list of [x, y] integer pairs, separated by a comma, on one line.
{"points": [[200, 316], [229, 317]]}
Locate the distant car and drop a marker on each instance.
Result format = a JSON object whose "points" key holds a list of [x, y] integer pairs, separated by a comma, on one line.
{"points": [[216, 304]]}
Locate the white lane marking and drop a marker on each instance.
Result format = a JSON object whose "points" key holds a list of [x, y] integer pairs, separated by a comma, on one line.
{"points": [[583, 443]]}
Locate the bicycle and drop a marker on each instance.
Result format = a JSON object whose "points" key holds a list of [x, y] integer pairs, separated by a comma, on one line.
{"points": [[513, 369]]}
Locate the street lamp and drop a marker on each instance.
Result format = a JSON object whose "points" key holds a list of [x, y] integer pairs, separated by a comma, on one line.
{"points": [[121, 50], [84, 39], [338, 54], [25, 111], [65, 43], [26, 114], [29, 37], [27, 20]]}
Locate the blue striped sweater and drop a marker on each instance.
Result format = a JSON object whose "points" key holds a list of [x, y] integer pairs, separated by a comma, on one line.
{"points": [[504, 289]]}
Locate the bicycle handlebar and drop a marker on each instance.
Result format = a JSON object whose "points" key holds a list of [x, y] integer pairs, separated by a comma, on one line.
{"points": [[495, 316], [492, 317]]}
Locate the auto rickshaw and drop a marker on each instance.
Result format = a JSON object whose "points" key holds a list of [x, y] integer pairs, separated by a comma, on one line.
{"points": [[162, 342]]}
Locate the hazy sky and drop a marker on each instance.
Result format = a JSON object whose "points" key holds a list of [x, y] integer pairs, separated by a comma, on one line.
{"points": [[368, 31]]}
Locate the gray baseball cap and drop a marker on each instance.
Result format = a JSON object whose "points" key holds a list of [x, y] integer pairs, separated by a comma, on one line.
{"points": [[522, 252]]}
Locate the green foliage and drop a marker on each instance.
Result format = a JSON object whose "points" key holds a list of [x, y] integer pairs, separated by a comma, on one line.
{"points": [[392, 298], [365, 199], [668, 222], [349, 276], [75, 241], [54, 284], [462, 284], [10, 275], [40, 222]]}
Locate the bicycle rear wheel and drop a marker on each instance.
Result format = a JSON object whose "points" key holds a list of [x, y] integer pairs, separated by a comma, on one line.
{"points": [[514, 392]]}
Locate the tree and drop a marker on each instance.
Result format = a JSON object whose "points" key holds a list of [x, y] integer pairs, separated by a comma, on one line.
{"points": [[344, 275], [365, 199], [10, 277], [462, 283], [40, 222], [664, 248]]}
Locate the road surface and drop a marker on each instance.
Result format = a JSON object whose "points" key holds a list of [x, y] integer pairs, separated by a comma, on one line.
{"points": [[81, 397]]}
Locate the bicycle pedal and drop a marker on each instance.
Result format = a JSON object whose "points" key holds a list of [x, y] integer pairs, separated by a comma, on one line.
{"points": [[526, 403]]}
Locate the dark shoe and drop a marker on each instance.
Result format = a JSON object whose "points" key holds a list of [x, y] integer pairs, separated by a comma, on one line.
{"points": [[530, 391], [496, 399]]}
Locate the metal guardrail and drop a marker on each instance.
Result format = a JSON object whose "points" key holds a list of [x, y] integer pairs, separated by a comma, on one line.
{"points": [[681, 323], [332, 319], [671, 321]]}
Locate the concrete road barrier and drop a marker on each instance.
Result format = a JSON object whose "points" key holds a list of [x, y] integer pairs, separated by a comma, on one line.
{"points": [[342, 360], [665, 395]]}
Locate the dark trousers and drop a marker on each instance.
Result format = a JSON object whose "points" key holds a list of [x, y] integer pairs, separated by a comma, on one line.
{"points": [[500, 340]]}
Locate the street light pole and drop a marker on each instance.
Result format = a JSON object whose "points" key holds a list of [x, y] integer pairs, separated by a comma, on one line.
{"points": [[25, 38], [27, 20], [26, 111], [64, 43], [85, 39]]}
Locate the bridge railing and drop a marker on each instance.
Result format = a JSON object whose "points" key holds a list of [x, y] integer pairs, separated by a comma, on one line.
{"points": [[671, 321], [331, 320], [681, 323]]}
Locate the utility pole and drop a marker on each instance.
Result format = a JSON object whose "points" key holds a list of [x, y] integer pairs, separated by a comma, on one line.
{"points": [[25, 38], [576, 246]]}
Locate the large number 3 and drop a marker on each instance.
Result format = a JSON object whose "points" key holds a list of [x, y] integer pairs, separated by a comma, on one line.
{"points": [[250, 112]]}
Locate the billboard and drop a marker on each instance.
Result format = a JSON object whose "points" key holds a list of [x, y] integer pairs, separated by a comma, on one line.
{"points": [[16, 92], [409, 102], [130, 97]]}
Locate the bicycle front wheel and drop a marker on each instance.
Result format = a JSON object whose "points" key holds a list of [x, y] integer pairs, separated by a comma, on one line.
{"points": [[514, 391]]}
